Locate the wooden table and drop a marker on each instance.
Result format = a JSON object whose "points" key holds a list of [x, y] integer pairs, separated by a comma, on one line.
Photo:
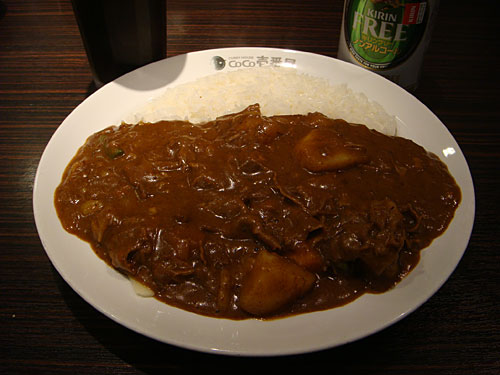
{"points": [[45, 327]]}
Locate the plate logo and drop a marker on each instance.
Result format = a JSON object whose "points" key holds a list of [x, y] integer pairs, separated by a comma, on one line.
{"points": [[236, 62], [219, 62]]}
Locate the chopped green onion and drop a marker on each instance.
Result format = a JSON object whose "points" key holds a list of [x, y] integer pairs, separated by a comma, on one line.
{"points": [[113, 152]]}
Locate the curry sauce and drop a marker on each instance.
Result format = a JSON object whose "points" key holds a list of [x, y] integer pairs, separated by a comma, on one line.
{"points": [[252, 216]]}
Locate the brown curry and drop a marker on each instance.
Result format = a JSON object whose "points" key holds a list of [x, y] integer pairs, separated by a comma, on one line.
{"points": [[253, 216]]}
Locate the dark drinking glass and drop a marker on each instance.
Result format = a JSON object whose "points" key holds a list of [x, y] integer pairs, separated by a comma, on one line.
{"points": [[121, 35]]}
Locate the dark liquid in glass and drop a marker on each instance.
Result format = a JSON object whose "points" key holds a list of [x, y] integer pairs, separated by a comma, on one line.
{"points": [[121, 35]]}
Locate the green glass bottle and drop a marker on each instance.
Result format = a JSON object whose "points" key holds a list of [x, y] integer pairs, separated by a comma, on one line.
{"points": [[387, 36]]}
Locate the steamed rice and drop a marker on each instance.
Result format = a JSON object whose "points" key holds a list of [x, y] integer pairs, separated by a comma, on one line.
{"points": [[279, 91]]}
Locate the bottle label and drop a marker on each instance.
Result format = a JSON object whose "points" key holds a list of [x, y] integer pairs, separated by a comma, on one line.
{"points": [[382, 34]]}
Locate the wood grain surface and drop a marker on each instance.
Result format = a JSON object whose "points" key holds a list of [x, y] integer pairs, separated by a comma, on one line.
{"points": [[46, 328]]}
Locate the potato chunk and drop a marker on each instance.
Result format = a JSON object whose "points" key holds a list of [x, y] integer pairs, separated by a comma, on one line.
{"points": [[272, 283], [324, 150], [307, 257]]}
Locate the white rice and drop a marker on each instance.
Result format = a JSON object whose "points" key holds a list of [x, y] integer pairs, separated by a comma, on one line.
{"points": [[277, 90]]}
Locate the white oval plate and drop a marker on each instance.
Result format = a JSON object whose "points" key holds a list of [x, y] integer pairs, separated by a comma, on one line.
{"points": [[112, 294]]}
